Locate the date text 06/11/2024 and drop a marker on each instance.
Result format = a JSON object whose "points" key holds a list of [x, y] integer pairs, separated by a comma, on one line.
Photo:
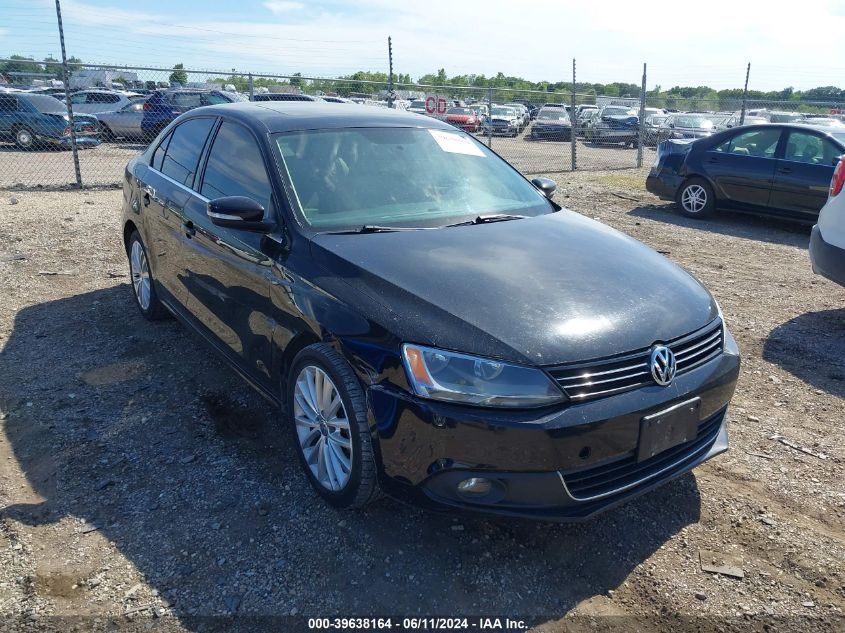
{"points": [[419, 624]]}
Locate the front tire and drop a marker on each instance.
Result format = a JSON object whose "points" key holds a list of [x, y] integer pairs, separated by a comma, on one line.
{"points": [[143, 286], [695, 198], [328, 410], [25, 138]]}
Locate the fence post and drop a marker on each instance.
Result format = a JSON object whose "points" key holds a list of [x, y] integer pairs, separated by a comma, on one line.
{"points": [[390, 73], [641, 126], [490, 116], [66, 78], [744, 96], [573, 137], [251, 88]]}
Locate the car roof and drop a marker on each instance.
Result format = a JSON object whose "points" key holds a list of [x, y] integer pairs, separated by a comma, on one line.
{"points": [[289, 116], [800, 127]]}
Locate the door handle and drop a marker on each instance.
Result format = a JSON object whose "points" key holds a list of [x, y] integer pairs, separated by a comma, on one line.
{"points": [[189, 229], [785, 170]]}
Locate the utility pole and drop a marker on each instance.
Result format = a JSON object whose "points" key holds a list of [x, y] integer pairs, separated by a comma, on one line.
{"points": [[251, 88], [745, 95], [641, 130], [573, 116], [390, 73], [66, 76]]}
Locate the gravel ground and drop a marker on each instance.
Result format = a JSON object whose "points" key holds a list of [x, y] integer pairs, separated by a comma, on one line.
{"points": [[143, 485], [103, 165]]}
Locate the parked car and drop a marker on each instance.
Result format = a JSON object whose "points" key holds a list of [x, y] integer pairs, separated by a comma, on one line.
{"points": [[417, 106], [165, 105], [371, 278], [553, 124], [727, 121], [522, 112], [36, 121], [282, 96], [686, 125], [776, 169], [331, 99], [827, 240], [123, 123], [651, 128], [822, 122], [614, 124], [504, 122], [95, 101], [464, 118]]}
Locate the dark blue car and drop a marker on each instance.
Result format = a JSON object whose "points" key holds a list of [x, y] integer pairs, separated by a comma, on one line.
{"points": [[165, 105], [36, 121]]}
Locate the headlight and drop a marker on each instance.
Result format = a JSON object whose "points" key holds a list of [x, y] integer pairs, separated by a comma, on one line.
{"points": [[442, 375]]}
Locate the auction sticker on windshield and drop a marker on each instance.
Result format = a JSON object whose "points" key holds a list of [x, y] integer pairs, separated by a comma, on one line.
{"points": [[455, 143]]}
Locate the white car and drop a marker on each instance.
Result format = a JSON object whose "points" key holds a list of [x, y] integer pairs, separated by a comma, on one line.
{"points": [[827, 241], [96, 101]]}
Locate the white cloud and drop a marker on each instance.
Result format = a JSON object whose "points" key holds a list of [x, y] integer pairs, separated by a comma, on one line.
{"points": [[283, 6]]}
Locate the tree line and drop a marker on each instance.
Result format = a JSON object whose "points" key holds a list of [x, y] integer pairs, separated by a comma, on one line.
{"points": [[371, 82]]}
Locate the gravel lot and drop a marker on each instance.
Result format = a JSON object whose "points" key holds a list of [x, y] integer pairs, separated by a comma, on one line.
{"points": [[143, 485], [103, 165]]}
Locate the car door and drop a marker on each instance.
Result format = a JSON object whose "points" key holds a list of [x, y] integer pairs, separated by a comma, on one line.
{"points": [[742, 167], [8, 107], [803, 174], [166, 196], [127, 121], [227, 273]]}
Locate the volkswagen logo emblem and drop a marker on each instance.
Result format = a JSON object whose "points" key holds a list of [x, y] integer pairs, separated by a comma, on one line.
{"points": [[662, 364]]}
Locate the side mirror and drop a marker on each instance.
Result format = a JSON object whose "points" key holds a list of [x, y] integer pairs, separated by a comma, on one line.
{"points": [[546, 186], [238, 212], [672, 125]]}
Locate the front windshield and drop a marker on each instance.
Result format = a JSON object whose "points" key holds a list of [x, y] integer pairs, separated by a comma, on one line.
{"points": [[402, 177], [466, 111], [417, 104], [618, 111], [693, 121], [503, 112], [553, 115], [46, 105]]}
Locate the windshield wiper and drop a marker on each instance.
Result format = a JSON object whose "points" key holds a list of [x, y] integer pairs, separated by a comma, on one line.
{"points": [[375, 228], [491, 217]]}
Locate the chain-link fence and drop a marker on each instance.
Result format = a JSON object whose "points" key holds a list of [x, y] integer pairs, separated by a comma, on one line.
{"points": [[117, 110]]}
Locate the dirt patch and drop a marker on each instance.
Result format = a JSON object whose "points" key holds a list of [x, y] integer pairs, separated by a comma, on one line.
{"points": [[135, 466]]}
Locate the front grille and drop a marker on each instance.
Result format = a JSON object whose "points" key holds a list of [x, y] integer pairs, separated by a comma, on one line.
{"points": [[624, 473], [606, 377]]}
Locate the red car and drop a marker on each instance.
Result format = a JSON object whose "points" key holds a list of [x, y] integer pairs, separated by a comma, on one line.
{"points": [[463, 118]]}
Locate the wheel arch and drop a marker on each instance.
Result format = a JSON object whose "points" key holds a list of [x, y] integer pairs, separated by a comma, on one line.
{"points": [[128, 229]]}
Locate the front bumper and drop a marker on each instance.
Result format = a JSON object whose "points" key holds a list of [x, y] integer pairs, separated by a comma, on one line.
{"points": [[564, 465], [609, 134], [564, 133], [827, 260]]}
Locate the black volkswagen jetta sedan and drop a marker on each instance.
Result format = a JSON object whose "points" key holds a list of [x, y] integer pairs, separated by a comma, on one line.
{"points": [[431, 324]]}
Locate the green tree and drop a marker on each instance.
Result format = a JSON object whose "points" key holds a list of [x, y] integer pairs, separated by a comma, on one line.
{"points": [[179, 75]]}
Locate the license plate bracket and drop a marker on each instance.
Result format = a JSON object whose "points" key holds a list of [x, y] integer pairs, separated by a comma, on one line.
{"points": [[666, 429]]}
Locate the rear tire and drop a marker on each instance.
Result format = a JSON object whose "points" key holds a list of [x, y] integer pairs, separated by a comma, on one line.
{"points": [[143, 284], [107, 134], [332, 438], [695, 198]]}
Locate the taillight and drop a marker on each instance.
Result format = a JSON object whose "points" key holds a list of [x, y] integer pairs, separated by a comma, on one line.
{"points": [[148, 105], [838, 180], [66, 131]]}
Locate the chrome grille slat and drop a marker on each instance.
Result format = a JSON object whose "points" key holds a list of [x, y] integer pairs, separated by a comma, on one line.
{"points": [[691, 351]]}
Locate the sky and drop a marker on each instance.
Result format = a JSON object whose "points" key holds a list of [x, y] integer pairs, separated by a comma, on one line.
{"points": [[684, 43]]}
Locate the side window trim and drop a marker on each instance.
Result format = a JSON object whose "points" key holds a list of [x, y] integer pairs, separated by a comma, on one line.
{"points": [[202, 156]]}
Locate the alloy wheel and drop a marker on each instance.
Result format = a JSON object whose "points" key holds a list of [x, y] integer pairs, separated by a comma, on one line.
{"points": [[694, 199], [24, 138], [323, 428], [140, 275]]}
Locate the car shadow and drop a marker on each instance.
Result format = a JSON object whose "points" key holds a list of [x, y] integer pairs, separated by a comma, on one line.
{"points": [[811, 347], [132, 435], [743, 225]]}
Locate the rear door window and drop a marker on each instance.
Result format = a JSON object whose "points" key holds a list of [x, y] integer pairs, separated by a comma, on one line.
{"points": [[811, 149], [184, 149]]}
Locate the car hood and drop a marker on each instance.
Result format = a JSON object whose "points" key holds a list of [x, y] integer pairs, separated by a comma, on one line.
{"points": [[547, 290]]}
